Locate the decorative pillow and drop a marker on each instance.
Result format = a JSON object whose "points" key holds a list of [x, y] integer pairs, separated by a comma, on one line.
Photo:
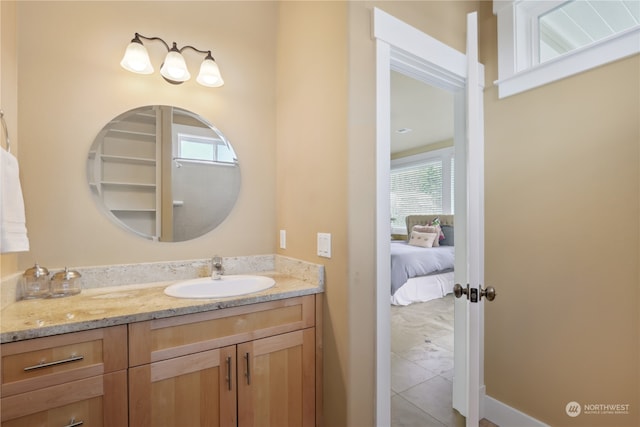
{"points": [[429, 229], [448, 232], [424, 240]]}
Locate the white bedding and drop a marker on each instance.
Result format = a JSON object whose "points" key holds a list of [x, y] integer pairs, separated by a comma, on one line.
{"points": [[424, 288]]}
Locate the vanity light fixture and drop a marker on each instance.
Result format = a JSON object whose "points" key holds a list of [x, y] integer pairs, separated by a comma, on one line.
{"points": [[174, 68]]}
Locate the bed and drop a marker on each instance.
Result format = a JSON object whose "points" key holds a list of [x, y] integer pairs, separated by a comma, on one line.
{"points": [[420, 274]]}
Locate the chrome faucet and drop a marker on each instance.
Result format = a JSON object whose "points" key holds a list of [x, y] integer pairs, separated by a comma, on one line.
{"points": [[216, 268]]}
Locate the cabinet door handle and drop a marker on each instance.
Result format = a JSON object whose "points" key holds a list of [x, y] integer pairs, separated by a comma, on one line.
{"points": [[229, 371], [74, 423], [248, 371], [57, 362]]}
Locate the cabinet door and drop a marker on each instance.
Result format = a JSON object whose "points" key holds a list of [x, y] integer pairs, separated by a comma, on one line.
{"points": [[194, 390], [276, 380], [97, 401]]}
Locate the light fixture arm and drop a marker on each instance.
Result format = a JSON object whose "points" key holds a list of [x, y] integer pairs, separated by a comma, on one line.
{"points": [[208, 52], [175, 48], [138, 36]]}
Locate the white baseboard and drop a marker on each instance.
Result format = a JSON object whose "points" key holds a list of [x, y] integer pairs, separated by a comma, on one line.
{"points": [[504, 415]]}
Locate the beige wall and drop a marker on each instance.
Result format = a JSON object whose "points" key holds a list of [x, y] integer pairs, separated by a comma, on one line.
{"points": [[562, 212], [8, 100], [71, 85], [311, 166]]}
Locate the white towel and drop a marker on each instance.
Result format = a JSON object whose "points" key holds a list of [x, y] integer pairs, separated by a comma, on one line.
{"points": [[13, 230]]}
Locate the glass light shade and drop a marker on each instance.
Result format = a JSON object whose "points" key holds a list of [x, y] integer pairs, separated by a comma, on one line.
{"points": [[209, 74], [136, 59], [174, 67]]}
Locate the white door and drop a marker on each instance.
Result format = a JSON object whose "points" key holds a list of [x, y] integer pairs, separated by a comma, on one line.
{"points": [[402, 47], [475, 225]]}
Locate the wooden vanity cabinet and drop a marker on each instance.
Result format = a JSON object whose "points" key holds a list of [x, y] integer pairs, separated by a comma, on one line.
{"points": [[72, 379], [253, 365]]}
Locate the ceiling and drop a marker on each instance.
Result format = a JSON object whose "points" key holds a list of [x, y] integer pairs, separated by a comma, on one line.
{"points": [[425, 109]]}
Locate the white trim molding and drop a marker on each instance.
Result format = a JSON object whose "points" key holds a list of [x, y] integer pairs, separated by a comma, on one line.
{"points": [[504, 415], [518, 70]]}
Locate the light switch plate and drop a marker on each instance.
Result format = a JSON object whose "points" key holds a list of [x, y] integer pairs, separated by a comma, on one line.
{"points": [[324, 245], [283, 239]]}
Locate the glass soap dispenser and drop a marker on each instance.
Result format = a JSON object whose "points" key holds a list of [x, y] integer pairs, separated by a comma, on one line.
{"points": [[65, 283], [35, 282]]}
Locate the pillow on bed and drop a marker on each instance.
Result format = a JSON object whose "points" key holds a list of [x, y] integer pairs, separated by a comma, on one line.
{"points": [[429, 229], [448, 232], [424, 240]]}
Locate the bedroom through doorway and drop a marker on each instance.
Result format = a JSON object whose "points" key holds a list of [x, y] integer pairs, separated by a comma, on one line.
{"points": [[422, 200]]}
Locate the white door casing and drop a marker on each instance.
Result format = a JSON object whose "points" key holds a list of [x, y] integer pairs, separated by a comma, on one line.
{"points": [[405, 49]]}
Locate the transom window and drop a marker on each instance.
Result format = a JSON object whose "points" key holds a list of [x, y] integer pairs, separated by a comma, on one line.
{"points": [[546, 40], [575, 24]]}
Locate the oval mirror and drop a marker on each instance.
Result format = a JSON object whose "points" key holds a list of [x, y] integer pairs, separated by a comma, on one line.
{"points": [[163, 173]]}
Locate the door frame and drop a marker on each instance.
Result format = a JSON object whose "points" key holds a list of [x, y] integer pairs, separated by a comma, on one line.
{"points": [[403, 48]]}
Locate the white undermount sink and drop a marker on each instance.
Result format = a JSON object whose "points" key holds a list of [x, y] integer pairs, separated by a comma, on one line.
{"points": [[226, 286]]}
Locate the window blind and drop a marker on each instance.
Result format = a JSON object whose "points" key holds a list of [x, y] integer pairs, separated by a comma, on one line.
{"points": [[416, 189]]}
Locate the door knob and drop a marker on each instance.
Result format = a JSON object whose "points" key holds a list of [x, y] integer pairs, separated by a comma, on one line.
{"points": [[458, 290], [489, 293]]}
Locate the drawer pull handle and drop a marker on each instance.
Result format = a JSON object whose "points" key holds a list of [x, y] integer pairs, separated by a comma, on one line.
{"points": [[248, 371], [73, 423], [229, 371], [57, 362]]}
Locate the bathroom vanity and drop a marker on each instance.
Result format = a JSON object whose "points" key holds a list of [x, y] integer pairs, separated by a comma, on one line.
{"points": [[131, 355]]}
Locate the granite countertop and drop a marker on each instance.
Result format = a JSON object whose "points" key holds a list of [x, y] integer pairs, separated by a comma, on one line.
{"points": [[118, 305]]}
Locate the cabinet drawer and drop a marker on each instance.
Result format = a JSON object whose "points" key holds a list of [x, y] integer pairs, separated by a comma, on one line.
{"points": [[43, 362], [162, 339], [96, 401]]}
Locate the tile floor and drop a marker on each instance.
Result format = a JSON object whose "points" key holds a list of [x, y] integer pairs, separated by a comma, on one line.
{"points": [[422, 366]]}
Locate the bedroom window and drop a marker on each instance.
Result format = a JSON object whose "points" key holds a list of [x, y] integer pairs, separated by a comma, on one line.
{"points": [[421, 184], [543, 41]]}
